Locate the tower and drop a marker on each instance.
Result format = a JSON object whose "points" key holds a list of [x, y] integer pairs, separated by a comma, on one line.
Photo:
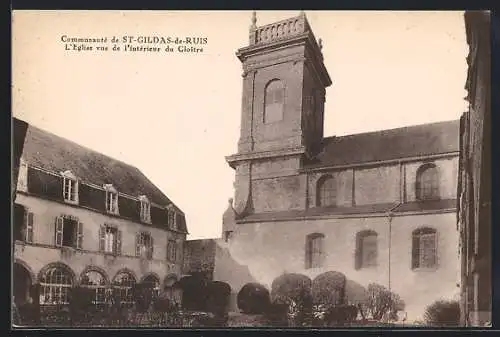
{"points": [[284, 81]]}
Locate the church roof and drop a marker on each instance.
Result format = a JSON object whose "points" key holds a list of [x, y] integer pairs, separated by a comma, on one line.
{"points": [[53, 153], [404, 142]]}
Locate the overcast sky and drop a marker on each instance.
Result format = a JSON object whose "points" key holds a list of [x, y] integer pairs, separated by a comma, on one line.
{"points": [[176, 116]]}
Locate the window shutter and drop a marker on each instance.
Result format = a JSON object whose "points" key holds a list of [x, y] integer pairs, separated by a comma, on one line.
{"points": [[79, 236], [308, 253], [24, 231], [137, 245], [118, 250], [415, 251], [102, 238], [151, 247], [59, 231], [358, 252], [29, 227]]}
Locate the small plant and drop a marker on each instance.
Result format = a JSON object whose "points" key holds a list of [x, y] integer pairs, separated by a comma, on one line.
{"points": [[253, 298], [443, 313]]}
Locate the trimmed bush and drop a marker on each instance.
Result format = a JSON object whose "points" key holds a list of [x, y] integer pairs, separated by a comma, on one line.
{"points": [[143, 297], [253, 298], [443, 313], [294, 290], [382, 301], [218, 294], [329, 288], [194, 295], [296, 287]]}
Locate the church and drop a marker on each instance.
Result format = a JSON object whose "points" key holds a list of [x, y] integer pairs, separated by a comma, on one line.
{"points": [[379, 207]]}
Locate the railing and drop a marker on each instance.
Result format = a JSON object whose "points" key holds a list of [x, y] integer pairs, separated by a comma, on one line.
{"points": [[279, 30]]}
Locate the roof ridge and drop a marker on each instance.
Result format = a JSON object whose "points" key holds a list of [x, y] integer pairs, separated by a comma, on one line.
{"points": [[394, 129]]}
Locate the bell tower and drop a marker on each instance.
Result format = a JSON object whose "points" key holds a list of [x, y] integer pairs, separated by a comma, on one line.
{"points": [[284, 82]]}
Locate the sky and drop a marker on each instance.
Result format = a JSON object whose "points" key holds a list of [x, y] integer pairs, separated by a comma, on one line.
{"points": [[176, 116]]}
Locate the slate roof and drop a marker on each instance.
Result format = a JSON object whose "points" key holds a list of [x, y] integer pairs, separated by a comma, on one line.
{"points": [[411, 141], [48, 151]]}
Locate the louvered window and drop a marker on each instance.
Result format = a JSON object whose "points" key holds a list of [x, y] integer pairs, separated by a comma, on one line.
{"points": [[424, 248], [314, 250]]}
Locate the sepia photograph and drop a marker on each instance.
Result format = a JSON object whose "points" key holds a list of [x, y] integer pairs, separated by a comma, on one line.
{"points": [[251, 169]]}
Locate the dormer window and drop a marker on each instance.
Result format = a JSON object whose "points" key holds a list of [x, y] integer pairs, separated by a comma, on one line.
{"points": [[145, 209], [70, 187], [111, 199]]}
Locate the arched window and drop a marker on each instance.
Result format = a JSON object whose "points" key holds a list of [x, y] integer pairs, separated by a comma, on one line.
{"points": [[123, 287], [366, 249], [153, 283], [427, 184], [55, 285], [274, 101], [95, 280], [326, 191], [424, 248], [314, 250]]}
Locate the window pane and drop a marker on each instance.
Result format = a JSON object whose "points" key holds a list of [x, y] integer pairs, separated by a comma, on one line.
{"points": [[327, 192]]}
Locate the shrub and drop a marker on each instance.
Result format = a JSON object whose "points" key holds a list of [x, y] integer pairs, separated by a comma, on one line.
{"points": [[443, 313], [329, 288], [253, 298], [382, 301], [294, 290], [296, 287], [218, 294], [193, 292], [143, 297], [341, 314]]}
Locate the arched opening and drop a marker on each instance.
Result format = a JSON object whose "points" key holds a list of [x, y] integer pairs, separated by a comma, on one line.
{"points": [[152, 284], [427, 183], [22, 282], [96, 282], [274, 101], [171, 290], [56, 282], [123, 287]]}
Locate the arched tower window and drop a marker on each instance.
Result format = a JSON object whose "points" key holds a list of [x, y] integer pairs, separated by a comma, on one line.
{"points": [[424, 248], [427, 183], [366, 249], [314, 250], [274, 101], [326, 191]]}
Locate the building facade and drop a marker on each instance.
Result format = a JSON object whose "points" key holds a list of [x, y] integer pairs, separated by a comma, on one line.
{"points": [[378, 206], [474, 211], [82, 218]]}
